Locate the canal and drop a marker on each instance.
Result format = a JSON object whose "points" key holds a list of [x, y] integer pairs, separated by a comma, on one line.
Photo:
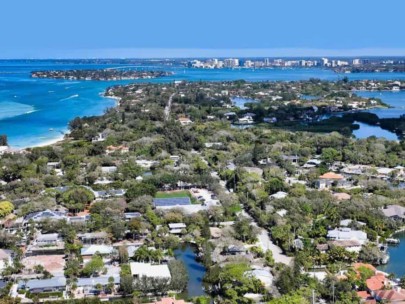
{"points": [[196, 271], [396, 264]]}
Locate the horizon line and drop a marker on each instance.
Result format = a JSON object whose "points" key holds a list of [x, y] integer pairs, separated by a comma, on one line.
{"points": [[186, 53]]}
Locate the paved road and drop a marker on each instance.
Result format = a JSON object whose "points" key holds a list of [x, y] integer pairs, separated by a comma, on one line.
{"points": [[267, 244], [168, 107]]}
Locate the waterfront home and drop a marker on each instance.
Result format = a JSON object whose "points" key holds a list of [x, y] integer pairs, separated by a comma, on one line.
{"points": [[341, 234], [329, 179], [55, 284], [139, 270], [394, 212], [177, 228], [349, 245], [377, 282]]}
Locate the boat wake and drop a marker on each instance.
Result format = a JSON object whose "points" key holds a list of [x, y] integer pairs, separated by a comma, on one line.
{"points": [[70, 97]]}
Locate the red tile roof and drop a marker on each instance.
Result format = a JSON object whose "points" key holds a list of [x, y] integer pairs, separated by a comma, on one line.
{"points": [[376, 282], [331, 175], [391, 295]]}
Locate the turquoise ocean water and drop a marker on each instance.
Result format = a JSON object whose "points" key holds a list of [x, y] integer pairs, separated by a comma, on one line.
{"points": [[37, 111]]}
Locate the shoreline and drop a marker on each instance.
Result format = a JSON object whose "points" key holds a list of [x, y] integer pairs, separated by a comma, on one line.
{"points": [[61, 138]]}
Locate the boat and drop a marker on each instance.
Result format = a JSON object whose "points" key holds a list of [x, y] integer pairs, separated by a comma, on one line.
{"points": [[50, 129], [392, 241]]}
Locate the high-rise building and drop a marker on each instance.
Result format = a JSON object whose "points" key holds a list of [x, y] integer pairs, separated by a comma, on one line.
{"points": [[231, 63]]}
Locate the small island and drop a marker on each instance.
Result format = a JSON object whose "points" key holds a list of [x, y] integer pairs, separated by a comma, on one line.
{"points": [[100, 75]]}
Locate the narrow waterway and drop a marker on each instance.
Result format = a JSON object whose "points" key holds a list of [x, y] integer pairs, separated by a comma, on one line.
{"points": [[196, 271], [396, 264]]}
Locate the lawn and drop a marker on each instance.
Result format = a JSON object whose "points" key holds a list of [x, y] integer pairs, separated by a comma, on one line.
{"points": [[172, 194]]}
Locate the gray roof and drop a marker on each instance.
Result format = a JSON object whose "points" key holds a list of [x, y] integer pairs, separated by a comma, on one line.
{"points": [[47, 283], [46, 214], [175, 201], [394, 210], [47, 237], [131, 215]]}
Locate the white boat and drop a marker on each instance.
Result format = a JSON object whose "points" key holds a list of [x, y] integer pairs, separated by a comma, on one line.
{"points": [[393, 241]]}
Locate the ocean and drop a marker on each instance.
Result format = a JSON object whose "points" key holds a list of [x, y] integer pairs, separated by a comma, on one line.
{"points": [[35, 112]]}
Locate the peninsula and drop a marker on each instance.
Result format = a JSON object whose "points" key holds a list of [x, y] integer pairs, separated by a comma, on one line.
{"points": [[100, 75]]}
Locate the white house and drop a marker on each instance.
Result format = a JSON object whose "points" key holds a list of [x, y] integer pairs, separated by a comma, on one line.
{"points": [[139, 270], [344, 234]]}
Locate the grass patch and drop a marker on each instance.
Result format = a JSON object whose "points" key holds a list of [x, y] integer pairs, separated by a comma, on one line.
{"points": [[173, 194]]}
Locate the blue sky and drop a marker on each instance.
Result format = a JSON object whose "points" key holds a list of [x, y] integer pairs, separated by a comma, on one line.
{"points": [[175, 28]]}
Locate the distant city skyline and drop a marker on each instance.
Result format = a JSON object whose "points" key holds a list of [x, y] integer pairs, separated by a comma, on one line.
{"points": [[180, 28]]}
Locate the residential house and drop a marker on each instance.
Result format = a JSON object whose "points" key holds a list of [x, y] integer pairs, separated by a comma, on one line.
{"points": [[343, 234], [177, 228], [108, 169], [279, 195], [45, 215], [329, 179], [349, 245], [139, 270], [396, 295], [100, 237], [55, 284], [184, 121], [89, 286], [46, 244], [88, 251], [394, 212], [234, 250], [131, 215]]}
